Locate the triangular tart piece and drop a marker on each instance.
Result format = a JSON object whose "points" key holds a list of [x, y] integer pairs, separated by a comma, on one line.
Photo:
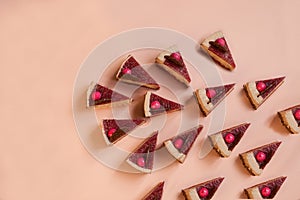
{"points": [[209, 98], [180, 145], [226, 140], [132, 72], [217, 48], [156, 193], [172, 61], [203, 191], [156, 105], [143, 156], [255, 160], [265, 190], [115, 129], [290, 118], [100, 96], [259, 91]]}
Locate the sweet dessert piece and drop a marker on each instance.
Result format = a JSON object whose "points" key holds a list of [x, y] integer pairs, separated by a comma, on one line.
{"points": [[217, 48], [225, 140], [115, 129], [143, 156], [209, 98], [171, 61], [155, 105], [132, 72], [290, 118], [100, 96], [203, 191], [180, 145], [255, 160], [259, 91], [265, 190], [156, 193]]}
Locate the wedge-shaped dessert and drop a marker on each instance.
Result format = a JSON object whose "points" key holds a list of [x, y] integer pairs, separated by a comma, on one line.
{"points": [[226, 140], [265, 190], [156, 105], [259, 91], [255, 160], [171, 61], [100, 96], [209, 98], [156, 193], [132, 72], [217, 48], [203, 191], [115, 129], [290, 118], [143, 156], [180, 145]]}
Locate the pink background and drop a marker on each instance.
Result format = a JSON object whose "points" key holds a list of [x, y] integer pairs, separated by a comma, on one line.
{"points": [[42, 46]]}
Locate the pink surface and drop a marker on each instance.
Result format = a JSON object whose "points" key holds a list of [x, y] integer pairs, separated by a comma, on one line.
{"points": [[43, 44]]}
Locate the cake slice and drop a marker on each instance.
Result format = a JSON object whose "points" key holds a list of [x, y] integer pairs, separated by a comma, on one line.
{"points": [[259, 91], [115, 129], [265, 190], [156, 193], [217, 48], [132, 72], [100, 96], [226, 140], [209, 98], [180, 145], [290, 118], [255, 160], [171, 61], [156, 105], [203, 191], [143, 156]]}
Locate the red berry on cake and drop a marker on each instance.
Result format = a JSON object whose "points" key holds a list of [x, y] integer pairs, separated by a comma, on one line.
{"points": [[155, 105], [261, 86], [111, 132], [203, 192], [290, 118], [210, 93], [96, 95], [260, 156]]}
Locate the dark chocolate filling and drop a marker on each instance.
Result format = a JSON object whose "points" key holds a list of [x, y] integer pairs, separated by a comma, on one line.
{"points": [[165, 105], [225, 55], [188, 138], [122, 127], [180, 68], [146, 150], [271, 85], [211, 186], [238, 133], [269, 151], [221, 92], [137, 74], [274, 186], [107, 96]]}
